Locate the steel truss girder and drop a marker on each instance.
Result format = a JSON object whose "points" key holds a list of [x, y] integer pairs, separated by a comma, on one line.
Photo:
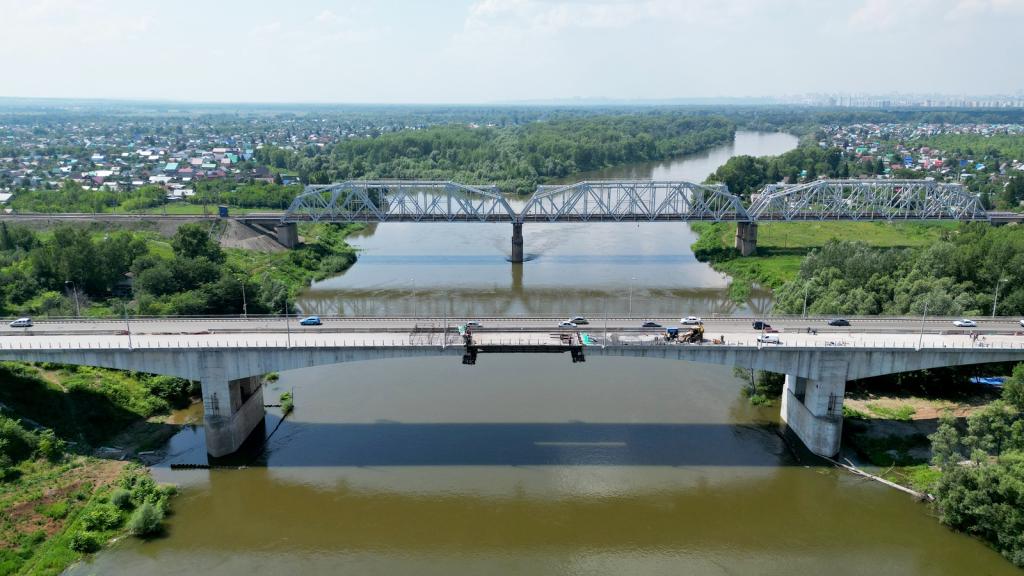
{"points": [[633, 200], [866, 200], [400, 201]]}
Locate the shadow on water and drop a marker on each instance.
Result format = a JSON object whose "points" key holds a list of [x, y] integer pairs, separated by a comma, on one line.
{"points": [[299, 444]]}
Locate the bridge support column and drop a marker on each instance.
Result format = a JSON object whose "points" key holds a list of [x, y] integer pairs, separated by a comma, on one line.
{"points": [[746, 238], [288, 234], [232, 409], [517, 242], [813, 409]]}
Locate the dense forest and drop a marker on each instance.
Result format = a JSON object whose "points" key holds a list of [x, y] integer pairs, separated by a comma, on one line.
{"points": [[962, 274], [516, 158], [74, 268]]}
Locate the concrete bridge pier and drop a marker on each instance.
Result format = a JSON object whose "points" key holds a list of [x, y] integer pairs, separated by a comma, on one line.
{"points": [[746, 238], [232, 409], [813, 408], [517, 243], [288, 234]]}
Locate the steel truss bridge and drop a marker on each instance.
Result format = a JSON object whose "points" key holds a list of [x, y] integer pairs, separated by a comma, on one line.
{"points": [[635, 201]]}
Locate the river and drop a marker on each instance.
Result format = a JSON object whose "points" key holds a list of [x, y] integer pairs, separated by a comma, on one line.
{"points": [[532, 464]]}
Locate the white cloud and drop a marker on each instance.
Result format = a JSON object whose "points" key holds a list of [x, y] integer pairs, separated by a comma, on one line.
{"points": [[265, 30]]}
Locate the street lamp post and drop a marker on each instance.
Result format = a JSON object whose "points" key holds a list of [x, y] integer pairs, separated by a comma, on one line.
{"points": [[415, 303], [287, 323], [631, 280], [920, 339], [128, 324], [74, 288], [245, 307], [995, 299]]}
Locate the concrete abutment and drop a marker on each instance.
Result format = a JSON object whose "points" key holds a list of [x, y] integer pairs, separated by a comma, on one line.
{"points": [[746, 238], [288, 234]]}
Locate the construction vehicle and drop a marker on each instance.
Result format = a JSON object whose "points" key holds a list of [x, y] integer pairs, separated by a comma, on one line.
{"points": [[693, 335]]}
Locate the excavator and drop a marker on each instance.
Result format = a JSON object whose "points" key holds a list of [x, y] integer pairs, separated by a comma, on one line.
{"points": [[694, 335]]}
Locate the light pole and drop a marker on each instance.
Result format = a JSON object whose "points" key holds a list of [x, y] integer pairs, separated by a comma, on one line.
{"points": [[631, 280], [995, 299], [415, 307], [128, 324], [74, 288], [806, 288], [245, 307], [287, 323], [920, 339]]}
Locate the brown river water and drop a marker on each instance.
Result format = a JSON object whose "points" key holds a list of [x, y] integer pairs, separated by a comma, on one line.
{"points": [[532, 464]]}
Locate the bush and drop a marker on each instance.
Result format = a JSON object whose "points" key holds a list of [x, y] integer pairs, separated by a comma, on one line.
{"points": [[102, 517], [85, 542], [56, 510], [146, 521], [50, 447], [287, 403], [122, 499], [173, 390]]}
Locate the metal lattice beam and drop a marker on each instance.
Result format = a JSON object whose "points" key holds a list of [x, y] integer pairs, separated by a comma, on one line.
{"points": [[399, 201], [866, 200], [633, 200]]}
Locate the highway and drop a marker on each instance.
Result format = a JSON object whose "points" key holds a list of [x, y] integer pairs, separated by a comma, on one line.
{"points": [[219, 333], [234, 325]]}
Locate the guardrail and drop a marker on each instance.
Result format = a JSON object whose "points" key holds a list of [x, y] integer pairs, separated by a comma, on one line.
{"points": [[141, 342], [595, 319]]}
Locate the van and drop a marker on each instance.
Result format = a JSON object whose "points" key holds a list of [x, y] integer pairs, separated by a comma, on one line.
{"points": [[21, 323], [768, 338]]}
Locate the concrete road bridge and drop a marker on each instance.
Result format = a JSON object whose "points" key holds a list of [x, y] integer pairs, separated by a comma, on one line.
{"points": [[228, 356], [603, 201]]}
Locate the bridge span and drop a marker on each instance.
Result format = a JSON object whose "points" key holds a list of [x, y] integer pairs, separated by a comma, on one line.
{"points": [[603, 201], [228, 357]]}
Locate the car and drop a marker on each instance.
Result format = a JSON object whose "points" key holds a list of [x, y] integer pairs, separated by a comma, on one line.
{"points": [[838, 322], [567, 324], [474, 324], [21, 323], [580, 320], [768, 339], [691, 320], [965, 323], [310, 321], [1022, 323], [761, 325], [650, 325]]}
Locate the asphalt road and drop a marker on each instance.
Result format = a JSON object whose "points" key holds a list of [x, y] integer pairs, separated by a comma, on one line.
{"points": [[712, 326]]}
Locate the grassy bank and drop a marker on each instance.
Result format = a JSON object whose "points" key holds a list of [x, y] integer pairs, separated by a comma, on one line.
{"points": [[58, 501], [782, 246]]}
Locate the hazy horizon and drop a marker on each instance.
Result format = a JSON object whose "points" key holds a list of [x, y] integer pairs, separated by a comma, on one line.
{"points": [[493, 52]]}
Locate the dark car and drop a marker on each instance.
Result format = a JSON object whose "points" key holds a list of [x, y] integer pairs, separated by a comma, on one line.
{"points": [[838, 322], [310, 321], [651, 325], [761, 325], [580, 320]]}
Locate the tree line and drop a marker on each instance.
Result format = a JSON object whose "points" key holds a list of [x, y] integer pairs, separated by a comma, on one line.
{"points": [[516, 158]]}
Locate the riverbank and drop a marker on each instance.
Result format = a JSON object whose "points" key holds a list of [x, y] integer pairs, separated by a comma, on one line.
{"points": [[67, 435], [782, 246]]}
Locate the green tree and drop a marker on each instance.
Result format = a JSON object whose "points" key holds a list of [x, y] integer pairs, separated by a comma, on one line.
{"points": [[193, 241], [1013, 388]]}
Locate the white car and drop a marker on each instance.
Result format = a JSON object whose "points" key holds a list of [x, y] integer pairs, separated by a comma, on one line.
{"points": [[567, 324], [965, 323], [691, 320], [768, 339], [1022, 323], [21, 323]]}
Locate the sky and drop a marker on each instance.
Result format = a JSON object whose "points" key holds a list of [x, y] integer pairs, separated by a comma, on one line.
{"points": [[499, 51]]}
